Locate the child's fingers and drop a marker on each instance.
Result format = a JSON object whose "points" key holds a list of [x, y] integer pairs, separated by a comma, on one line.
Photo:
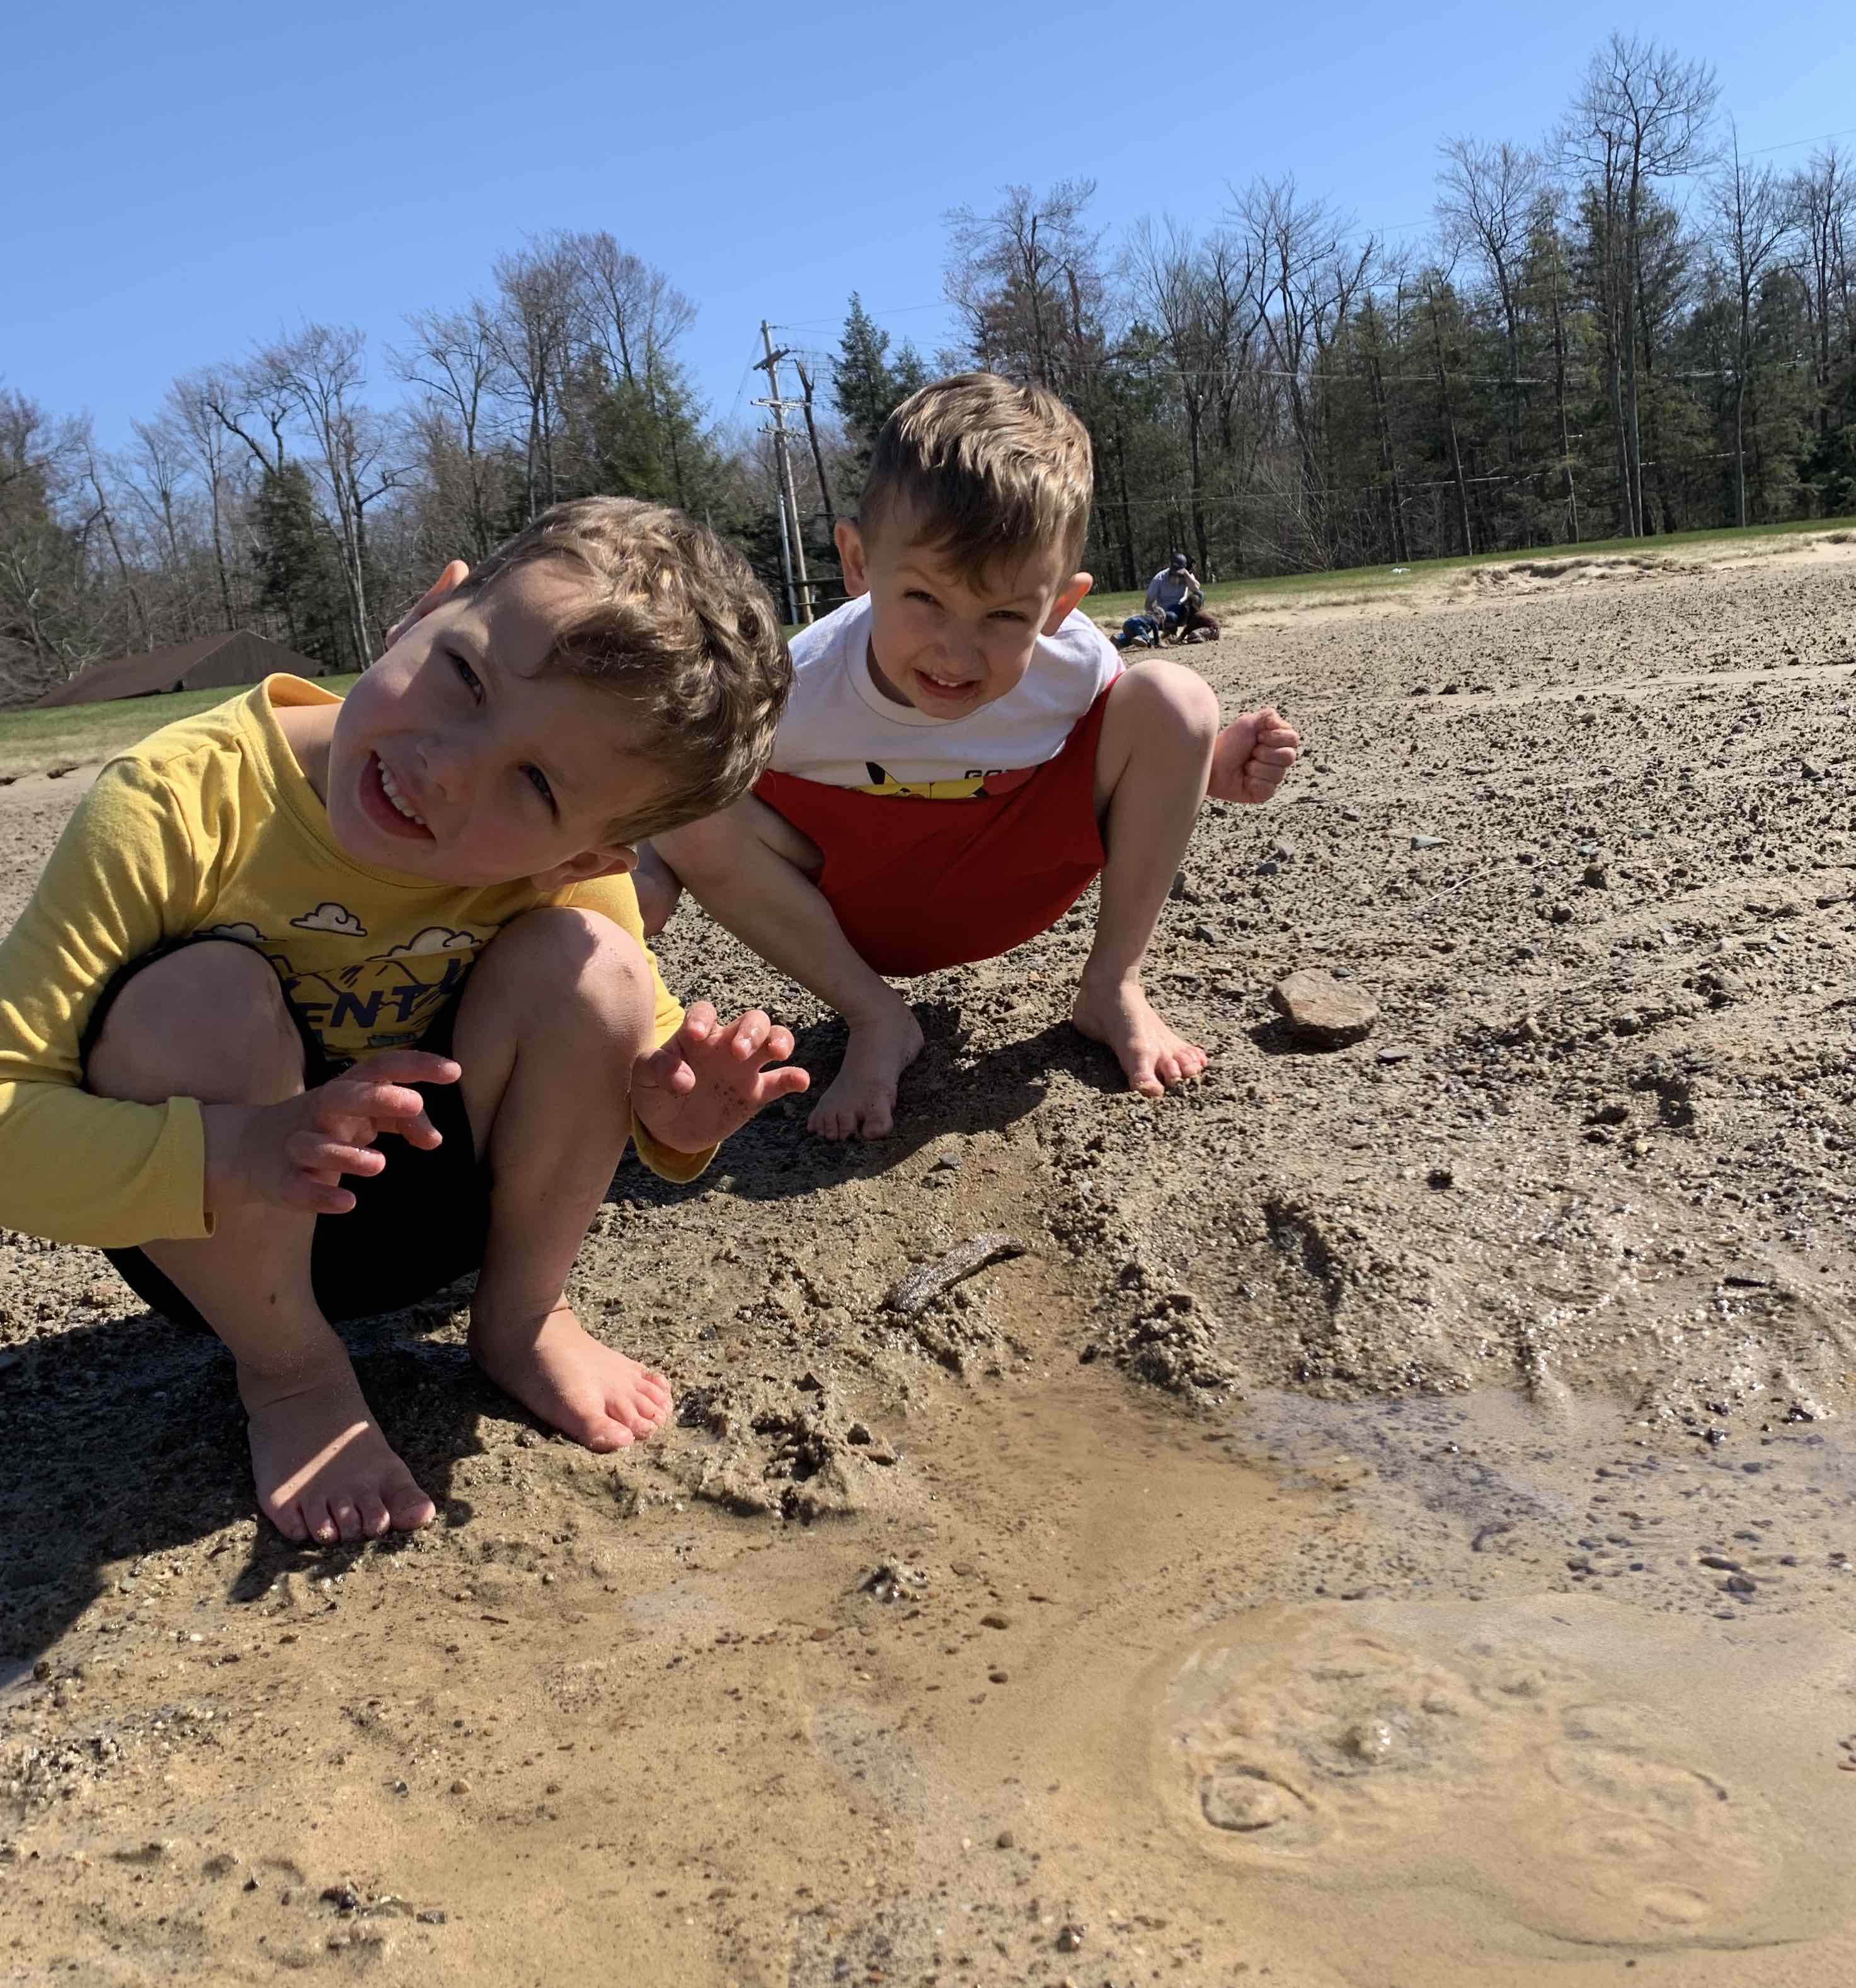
{"points": [[360, 1098], [699, 1021], [787, 1081], [318, 1196], [1273, 756], [750, 1034], [778, 1045], [658, 1069], [421, 1132], [318, 1154], [404, 1067]]}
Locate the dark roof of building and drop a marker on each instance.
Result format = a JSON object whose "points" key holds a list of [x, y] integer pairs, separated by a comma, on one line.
{"points": [[210, 661]]}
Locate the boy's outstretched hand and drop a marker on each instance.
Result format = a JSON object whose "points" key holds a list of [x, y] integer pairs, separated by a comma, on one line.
{"points": [[708, 1080], [294, 1154], [1253, 756]]}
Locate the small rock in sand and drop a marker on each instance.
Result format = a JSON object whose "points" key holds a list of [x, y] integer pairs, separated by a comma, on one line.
{"points": [[1321, 1013]]}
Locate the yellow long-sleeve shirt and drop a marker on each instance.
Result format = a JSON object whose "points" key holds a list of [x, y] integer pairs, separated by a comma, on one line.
{"points": [[210, 825]]}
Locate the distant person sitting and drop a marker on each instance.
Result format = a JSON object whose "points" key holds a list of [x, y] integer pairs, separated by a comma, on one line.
{"points": [[1170, 588], [1177, 602]]}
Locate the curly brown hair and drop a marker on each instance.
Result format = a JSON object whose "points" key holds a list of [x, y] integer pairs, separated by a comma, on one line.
{"points": [[674, 621]]}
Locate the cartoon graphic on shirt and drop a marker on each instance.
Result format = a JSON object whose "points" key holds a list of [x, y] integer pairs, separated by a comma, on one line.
{"points": [[435, 938], [983, 784], [331, 917], [393, 996]]}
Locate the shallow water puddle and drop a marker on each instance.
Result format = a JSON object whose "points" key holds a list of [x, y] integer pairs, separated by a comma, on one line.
{"points": [[1398, 1792], [1286, 1690], [1477, 1779]]}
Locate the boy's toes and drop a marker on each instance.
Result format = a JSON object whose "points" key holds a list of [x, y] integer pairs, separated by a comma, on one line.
{"points": [[407, 1506], [600, 1430], [348, 1517], [375, 1518], [289, 1519]]}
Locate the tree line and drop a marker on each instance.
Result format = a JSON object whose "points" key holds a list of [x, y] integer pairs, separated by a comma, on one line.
{"points": [[1627, 328]]}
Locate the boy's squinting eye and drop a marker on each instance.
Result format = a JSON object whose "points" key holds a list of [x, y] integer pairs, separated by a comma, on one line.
{"points": [[538, 780], [916, 594], [471, 681]]}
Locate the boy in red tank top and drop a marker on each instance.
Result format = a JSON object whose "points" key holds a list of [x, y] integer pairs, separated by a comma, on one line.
{"points": [[963, 754]]}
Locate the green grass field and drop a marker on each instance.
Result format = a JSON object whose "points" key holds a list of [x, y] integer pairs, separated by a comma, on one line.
{"points": [[79, 735]]}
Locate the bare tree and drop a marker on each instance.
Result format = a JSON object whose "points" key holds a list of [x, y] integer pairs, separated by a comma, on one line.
{"points": [[1027, 279], [104, 514], [453, 359], [539, 319], [1486, 196], [635, 314], [1202, 304], [250, 402], [1642, 115], [635, 318], [1823, 196], [1309, 276], [320, 372], [202, 434], [1753, 215], [43, 634]]}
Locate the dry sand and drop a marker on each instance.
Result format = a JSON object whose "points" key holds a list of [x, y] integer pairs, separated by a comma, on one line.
{"points": [[1392, 1528]]}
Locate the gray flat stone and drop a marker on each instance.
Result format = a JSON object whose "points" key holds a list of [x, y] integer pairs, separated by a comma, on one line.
{"points": [[1322, 1014]]}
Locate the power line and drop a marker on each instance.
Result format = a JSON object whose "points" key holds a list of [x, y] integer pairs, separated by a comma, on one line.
{"points": [[1788, 144]]}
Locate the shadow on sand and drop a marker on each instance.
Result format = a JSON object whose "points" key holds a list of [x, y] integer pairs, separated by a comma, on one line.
{"points": [[73, 1404]]}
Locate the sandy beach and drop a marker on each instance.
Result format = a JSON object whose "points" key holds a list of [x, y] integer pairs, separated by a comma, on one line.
{"points": [[1380, 1516]]}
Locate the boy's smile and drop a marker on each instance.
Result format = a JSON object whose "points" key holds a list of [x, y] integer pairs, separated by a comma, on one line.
{"points": [[458, 759], [947, 642]]}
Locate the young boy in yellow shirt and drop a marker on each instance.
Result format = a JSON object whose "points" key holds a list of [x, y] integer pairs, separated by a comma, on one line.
{"points": [[964, 754], [275, 931]]}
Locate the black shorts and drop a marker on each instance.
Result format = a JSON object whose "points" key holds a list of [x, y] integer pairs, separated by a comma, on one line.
{"points": [[419, 1224]]}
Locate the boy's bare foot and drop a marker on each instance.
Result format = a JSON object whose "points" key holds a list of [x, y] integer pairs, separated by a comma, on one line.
{"points": [[659, 886], [576, 1384], [323, 1470], [1154, 1056], [861, 1101]]}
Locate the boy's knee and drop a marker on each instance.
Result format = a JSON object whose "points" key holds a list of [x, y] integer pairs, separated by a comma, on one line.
{"points": [[565, 962], [1173, 698], [209, 1022]]}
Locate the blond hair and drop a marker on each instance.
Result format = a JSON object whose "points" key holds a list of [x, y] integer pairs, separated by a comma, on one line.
{"points": [[674, 621], [987, 471]]}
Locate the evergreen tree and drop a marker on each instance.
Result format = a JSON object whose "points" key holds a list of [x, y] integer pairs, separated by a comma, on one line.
{"points": [[866, 388], [299, 582]]}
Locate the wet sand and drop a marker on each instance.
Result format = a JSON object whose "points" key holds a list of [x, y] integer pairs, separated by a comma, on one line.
{"points": [[1393, 1527]]}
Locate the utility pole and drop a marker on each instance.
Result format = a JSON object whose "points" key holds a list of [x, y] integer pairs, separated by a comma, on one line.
{"points": [[798, 588]]}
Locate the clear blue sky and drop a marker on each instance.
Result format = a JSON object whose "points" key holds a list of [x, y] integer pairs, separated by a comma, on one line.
{"points": [[181, 179]]}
